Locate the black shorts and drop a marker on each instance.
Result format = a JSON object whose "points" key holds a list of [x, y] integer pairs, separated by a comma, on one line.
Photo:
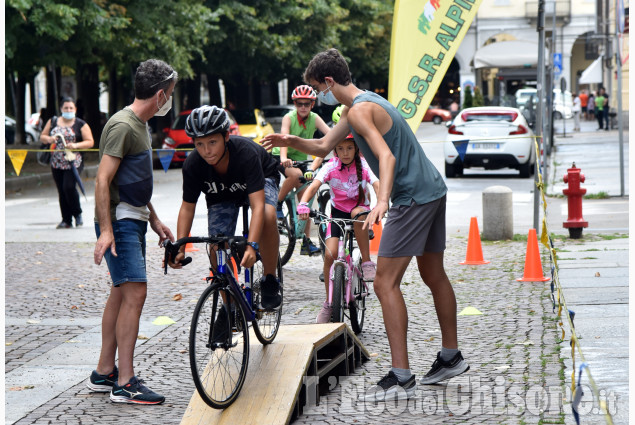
{"points": [[333, 230]]}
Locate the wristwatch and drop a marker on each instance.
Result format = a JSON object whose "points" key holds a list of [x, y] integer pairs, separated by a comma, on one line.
{"points": [[254, 245]]}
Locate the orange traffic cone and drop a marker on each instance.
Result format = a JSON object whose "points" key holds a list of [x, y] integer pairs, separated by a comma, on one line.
{"points": [[533, 265], [474, 254], [189, 247], [374, 242]]}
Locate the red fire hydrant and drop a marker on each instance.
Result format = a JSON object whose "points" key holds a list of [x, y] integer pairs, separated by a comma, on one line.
{"points": [[575, 223]]}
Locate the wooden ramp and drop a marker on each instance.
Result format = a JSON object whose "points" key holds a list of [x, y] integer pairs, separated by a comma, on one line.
{"points": [[286, 375]]}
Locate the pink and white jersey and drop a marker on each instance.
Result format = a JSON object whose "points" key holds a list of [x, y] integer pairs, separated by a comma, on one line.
{"points": [[343, 183]]}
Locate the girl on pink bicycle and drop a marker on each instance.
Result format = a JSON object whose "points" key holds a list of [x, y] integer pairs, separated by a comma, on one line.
{"points": [[348, 176]]}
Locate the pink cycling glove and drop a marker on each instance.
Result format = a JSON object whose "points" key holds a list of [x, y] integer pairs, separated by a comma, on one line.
{"points": [[303, 208]]}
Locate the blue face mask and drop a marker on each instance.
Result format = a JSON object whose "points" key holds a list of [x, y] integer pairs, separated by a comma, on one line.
{"points": [[68, 115], [328, 98]]}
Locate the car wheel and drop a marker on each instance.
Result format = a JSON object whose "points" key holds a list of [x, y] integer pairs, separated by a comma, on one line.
{"points": [[454, 170], [437, 120], [525, 170], [557, 115], [30, 140]]}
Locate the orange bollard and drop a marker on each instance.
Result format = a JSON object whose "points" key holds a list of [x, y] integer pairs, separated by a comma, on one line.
{"points": [[189, 247], [474, 254], [533, 265], [374, 243]]}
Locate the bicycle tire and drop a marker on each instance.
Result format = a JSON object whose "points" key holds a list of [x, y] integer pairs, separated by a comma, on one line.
{"points": [[339, 296], [286, 229], [323, 201], [357, 306], [267, 322], [218, 372]]}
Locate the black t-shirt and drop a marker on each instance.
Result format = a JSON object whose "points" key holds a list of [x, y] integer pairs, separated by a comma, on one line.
{"points": [[249, 165]]}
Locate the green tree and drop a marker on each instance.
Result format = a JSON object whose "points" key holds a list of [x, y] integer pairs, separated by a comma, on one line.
{"points": [[468, 102], [478, 97]]}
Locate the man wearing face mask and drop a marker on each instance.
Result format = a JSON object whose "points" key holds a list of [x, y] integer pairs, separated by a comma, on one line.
{"points": [[123, 189], [414, 227]]}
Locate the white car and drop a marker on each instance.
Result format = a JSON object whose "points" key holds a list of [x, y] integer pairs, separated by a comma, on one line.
{"points": [[561, 109], [496, 137]]}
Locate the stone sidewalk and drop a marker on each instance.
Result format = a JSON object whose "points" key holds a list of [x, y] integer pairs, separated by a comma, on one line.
{"points": [[55, 296]]}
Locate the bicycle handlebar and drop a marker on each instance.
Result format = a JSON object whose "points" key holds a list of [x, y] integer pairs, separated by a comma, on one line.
{"points": [[237, 245]]}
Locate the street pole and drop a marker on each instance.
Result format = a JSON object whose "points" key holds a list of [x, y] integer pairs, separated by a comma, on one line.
{"points": [[539, 113], [620, 121]]}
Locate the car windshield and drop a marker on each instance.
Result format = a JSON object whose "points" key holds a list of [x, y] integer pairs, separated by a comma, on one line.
{"points": [[489, 116], [179, 124], [245, 116]]}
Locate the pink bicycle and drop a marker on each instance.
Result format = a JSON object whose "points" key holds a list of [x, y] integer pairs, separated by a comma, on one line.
{"points": [[347, 288]]}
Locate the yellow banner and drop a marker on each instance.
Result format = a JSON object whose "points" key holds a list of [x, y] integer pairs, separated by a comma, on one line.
{"points": [[425, 38]]}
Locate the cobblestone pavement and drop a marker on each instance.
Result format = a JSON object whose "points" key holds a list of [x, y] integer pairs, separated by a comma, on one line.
{"points": [[58, 294]]}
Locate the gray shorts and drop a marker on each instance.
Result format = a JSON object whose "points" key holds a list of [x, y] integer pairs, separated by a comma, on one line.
{"points": [[412, 230], [223, 217]]}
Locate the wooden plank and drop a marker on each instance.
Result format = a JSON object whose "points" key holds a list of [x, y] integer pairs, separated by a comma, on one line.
{"points": [[274, 378]]}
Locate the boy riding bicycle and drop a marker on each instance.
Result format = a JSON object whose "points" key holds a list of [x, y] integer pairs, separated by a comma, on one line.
{"points": [[231, 170], [303, 123], [348, 176]]}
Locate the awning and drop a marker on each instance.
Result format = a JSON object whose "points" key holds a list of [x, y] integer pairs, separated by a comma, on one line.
{"points": [[508, 54], [593, 73]]}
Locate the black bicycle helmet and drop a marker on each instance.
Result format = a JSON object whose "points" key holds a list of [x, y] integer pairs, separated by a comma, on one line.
{"points": [[206, 120]]}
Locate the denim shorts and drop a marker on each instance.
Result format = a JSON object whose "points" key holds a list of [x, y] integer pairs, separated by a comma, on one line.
{"points": [[222, 217], [130, 243]]}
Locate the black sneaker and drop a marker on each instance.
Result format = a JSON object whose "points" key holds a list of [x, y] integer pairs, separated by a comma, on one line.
{"points": [[308, 247], [64, 225], [219, 331], [79, 221], [389, 388], [269, 290], [445, 370], [134, 392], [102, 383]]}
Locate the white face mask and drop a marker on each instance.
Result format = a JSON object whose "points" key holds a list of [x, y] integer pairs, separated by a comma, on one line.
{"points": [[328, 98], [165, 108]]}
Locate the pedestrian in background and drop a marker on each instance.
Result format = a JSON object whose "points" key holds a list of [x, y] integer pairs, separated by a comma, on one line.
{"points": [[577, 110], [599, 109], [78, 136], [605, 109], [584, 102], [123, 189], [591, 107]]}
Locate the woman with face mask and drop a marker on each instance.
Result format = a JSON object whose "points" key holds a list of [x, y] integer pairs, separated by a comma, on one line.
{"points": [[78, 136]]}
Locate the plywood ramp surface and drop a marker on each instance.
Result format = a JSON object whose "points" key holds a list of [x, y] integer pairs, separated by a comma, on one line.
{"points": [[274, 378]]}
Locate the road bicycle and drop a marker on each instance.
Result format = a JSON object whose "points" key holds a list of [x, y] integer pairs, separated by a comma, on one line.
{"points": [[290, 227], [219, 332], [347, 288]]}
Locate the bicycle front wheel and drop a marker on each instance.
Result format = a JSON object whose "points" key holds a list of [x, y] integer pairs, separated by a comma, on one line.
{"points": [[219, 346], [339, 295], [286, 229], [357, 306], [267, 322]]}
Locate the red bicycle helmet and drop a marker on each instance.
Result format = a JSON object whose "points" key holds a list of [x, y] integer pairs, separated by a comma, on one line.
{"points": [[303, 92]]}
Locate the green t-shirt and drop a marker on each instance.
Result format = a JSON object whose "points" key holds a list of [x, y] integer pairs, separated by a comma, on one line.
{"points": [[126, 137], [297, 129], [599, 103]]}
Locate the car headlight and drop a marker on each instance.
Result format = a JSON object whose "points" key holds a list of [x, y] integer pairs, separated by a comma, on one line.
{"points": [[168, 143]]}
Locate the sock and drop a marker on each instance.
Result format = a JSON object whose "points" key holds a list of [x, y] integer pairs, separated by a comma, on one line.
{"points": [[402, 374], [448, 353]]}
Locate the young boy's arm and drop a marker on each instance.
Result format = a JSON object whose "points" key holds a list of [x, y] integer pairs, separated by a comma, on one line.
{"points": [[285, 129], [183, 228]]}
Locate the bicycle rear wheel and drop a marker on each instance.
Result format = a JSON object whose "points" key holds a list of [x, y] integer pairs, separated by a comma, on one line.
{"points": [[219, 346], [357, 306], [339, 295], [286, 229], [267, 322]]}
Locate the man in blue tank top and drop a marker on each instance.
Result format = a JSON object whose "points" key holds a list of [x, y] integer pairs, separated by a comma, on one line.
{"points": [[414, 227]]}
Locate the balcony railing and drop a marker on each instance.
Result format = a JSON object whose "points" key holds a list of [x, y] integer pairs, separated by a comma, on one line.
{"points": [[563, 9]]}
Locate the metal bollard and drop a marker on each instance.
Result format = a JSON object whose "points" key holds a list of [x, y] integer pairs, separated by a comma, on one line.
{"points": [[498, 213]]}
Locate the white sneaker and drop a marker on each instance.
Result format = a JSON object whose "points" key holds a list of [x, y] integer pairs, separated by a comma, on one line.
{"points": [[368, 270], [324, 316]]}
